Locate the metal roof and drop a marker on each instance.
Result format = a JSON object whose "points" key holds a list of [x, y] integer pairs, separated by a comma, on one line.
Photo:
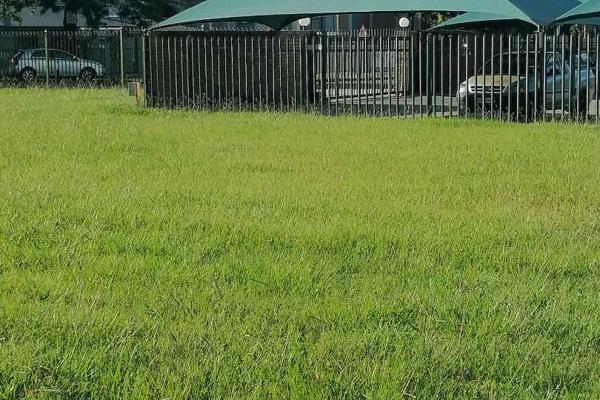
{"points": [[540, 13], [280, 13]]}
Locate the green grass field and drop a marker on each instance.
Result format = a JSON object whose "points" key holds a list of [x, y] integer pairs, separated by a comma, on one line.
{"points": [[158, 254]]}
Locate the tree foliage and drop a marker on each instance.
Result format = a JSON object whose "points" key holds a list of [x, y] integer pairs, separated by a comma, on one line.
{"points": [[12, 8], [135, 12], [143, 13]]}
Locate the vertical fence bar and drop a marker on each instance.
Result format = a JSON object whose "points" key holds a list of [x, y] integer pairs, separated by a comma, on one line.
{"points": [[239, 71], [232, 64], [587, 77], [433, 71], [554, 59], [186, 88], [501, 71], [306, 73], [493, 76], [321, 59], [468, 88], [259, 72], [273, 62], [510, 87], [483, 73], [246, 93], [336, 71], [344, 74], [597, 85], [543, 66], [536, 73], [458, 73], [578, 88], [475, 70], [170, 72], [224, 78], [389, 74], [399, 74], [47, 58], [160, 83], [518, 55], [450, 94], [144, 76], [354, 71], [571, 77], [527, 78], [287, 72], [122, 55], [314, 69], [206, 52], [145, 84], [381, 76], [294, 77], [374, 73], [428, 73], [420, 74], [300, 75], [280, 56], [252, 71], [562, 79], [412, 74], [176, 71], [362, 85], [442, 83], [192, 77]]}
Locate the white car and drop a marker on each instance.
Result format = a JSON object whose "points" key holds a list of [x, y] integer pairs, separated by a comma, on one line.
{"points": [[29, 64]]}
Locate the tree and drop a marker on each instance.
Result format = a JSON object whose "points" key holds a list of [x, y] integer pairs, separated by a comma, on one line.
{"points": [[143, 13], [92, 10], [12, 8], [432, 19]]}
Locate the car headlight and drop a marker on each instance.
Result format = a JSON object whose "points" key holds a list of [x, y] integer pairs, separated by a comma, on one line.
{"points": [[462, 89]]}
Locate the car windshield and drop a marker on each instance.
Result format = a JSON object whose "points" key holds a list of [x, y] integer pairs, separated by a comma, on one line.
{"points": [[17, 57], [61, 55], [515, 65], [37, 54]]}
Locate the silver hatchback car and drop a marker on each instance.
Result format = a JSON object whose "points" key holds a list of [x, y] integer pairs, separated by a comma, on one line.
{"points": [[28, 64]]}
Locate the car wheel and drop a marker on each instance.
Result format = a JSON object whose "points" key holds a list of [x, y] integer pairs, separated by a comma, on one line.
{"points": [[88, 74], [28, 74]]}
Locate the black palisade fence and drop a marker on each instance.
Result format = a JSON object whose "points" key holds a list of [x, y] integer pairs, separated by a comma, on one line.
{"points": [[509, 77], [57, 57]]}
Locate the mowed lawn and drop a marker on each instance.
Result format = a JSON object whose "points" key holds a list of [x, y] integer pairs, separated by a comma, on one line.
{"points": [[183, 255]]}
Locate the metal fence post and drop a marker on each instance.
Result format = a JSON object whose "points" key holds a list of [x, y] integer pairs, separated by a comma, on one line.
{"points": [[122, 53], [144, 72], [47, 58]]}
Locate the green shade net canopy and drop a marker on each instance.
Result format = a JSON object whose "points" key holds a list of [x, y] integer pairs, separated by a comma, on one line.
{"points": [[483, 21], [589, 9], [540, 13], [280, 13]]}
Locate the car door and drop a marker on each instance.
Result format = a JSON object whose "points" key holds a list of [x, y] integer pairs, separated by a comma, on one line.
{"points": [[37, 61], [65, 63], [558, 82]]}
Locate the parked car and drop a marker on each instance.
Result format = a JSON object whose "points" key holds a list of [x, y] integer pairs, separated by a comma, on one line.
{"points": [[28, 64], [566, 83]]}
